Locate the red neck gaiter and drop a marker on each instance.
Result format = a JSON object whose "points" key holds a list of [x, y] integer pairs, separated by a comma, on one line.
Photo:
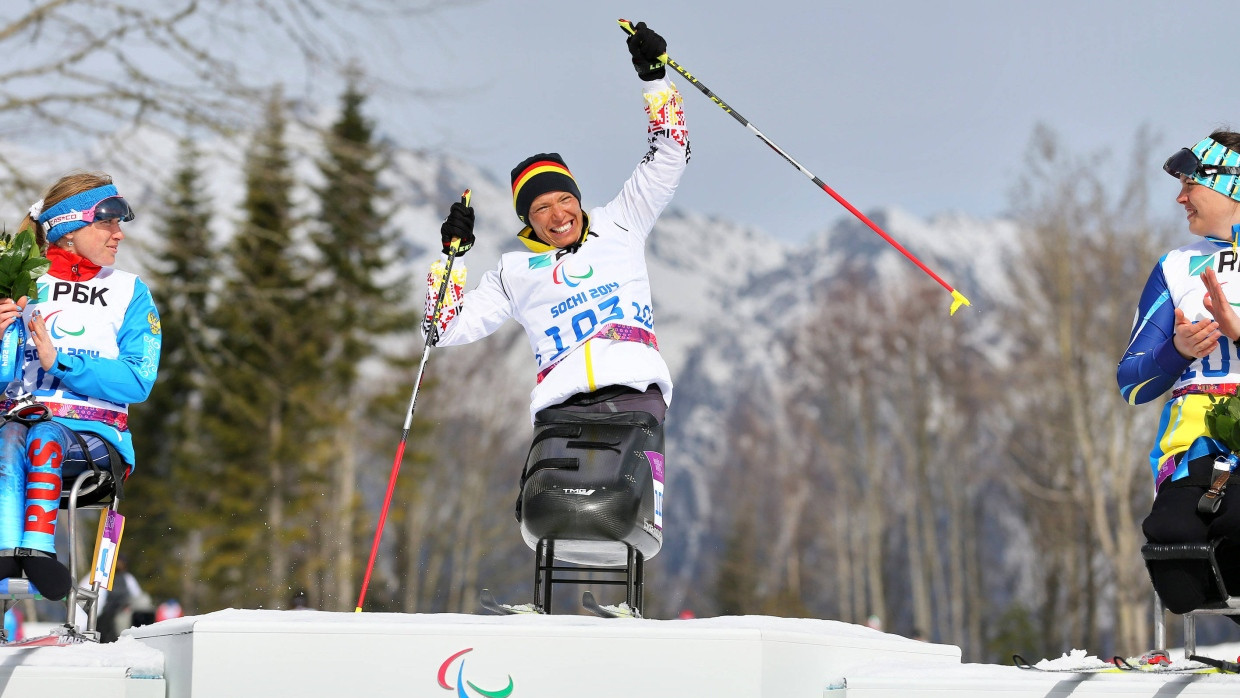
{"points": [[70, 266]]}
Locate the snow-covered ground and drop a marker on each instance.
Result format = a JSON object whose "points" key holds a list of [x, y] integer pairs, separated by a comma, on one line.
{"points": [[310, 653]]}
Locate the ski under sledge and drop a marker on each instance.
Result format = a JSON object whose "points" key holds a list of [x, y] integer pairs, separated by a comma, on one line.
{"points": [[588, 602], [488, 601], [592, 605], [59, 637], [1195, 664]]}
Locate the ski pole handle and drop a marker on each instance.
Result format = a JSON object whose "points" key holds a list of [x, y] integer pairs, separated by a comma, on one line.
{"points": [[627, 26], [456, 242], [432, 337]]}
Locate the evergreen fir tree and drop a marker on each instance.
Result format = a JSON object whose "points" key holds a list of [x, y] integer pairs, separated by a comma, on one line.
{"points": [[356, 246], [264, 412], [361, 300], [161, 498]]}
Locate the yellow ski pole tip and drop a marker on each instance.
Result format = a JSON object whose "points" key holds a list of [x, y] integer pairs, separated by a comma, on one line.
{"points": [[958, 300]]}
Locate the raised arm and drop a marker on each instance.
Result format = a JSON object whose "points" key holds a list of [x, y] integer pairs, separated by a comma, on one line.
{"points": [[653, 183]]}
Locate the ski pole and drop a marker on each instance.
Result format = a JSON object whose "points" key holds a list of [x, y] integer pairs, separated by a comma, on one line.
{"points": [[958, 298], [432, 338]]}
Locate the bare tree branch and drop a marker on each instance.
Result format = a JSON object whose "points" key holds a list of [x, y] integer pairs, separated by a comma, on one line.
{"points": [[79, 70]]}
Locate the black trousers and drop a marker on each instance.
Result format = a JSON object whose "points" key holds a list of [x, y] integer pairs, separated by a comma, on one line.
{"points": [[618, 398], [1185, 585]]}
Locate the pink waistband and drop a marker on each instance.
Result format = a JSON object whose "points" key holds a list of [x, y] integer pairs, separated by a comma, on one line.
{"points": [[617, 333], [1206, 389], [112, 418]]}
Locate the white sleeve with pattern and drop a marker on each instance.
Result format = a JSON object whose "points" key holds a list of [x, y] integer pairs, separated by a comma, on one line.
{"points": [[467, 317], [651, 186]]}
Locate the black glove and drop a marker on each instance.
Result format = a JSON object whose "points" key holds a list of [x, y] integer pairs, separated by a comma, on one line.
{"points": [[458, 224], [646, 46]]}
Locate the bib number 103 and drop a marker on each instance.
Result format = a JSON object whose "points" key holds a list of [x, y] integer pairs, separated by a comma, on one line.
{"points": [[584, 324]]}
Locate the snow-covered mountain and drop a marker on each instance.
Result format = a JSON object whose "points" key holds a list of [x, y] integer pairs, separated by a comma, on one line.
{"points": [[758, 290]]}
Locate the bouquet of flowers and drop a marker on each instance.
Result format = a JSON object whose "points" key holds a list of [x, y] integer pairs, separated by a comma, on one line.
{"points": [[1223, 421], [21, 264]]}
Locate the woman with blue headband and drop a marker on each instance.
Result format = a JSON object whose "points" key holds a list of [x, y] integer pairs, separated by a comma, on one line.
{"points": [[1186, 340], [93, 349]]}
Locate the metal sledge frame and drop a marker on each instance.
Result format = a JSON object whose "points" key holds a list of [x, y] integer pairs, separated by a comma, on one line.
{"points": [[545, 577], [87, 595], [1226, 605]]}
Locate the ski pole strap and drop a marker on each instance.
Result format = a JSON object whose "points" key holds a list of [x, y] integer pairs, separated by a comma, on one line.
{"points": [[616, 333], [432, 337], [1206, 389], [1210, 501], [119, 470], [1222, 665], [1213, 498], [25, 410]]}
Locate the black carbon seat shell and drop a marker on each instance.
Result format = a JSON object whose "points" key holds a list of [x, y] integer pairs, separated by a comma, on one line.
{"points": [[589, 486]]}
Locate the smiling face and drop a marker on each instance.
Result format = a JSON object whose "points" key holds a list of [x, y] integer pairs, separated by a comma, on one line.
{"points": [[98, 242], [1209, 212], [556, 218]]}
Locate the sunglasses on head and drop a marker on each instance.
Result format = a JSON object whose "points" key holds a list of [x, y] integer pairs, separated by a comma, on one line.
{"points": [[1185, 163], [113, 208]]}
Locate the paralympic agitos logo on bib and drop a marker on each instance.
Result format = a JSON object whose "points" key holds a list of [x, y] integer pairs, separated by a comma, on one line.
{"points": [[461, 682], [59, 332], [561, 275]]}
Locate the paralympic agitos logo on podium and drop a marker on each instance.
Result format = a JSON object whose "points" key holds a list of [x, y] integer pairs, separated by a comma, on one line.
{"points": [[462, 682]]}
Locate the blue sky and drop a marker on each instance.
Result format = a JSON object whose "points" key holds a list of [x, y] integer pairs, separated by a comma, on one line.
{"points": [[924, 105]]}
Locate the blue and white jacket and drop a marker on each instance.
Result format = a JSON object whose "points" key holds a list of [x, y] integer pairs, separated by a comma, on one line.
{"points": [[108, 337], [1151, 365]]}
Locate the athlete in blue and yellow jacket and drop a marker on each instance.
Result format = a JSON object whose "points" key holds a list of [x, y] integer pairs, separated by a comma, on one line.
{"points": [[1184, 340], [1153, 364]]}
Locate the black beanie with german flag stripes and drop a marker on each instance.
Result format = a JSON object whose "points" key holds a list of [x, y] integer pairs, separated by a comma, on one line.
{"points": [[537, 175]]}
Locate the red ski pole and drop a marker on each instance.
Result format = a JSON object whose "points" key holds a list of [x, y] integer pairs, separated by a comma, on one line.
{"points": [[958, 298], [432, 338]]}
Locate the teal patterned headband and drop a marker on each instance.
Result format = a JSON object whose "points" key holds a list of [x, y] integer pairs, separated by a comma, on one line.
{"points": [[1211, 152]]}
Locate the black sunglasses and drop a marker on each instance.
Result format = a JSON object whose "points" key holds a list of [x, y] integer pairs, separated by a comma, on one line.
{"points": [[1185, 163]]}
